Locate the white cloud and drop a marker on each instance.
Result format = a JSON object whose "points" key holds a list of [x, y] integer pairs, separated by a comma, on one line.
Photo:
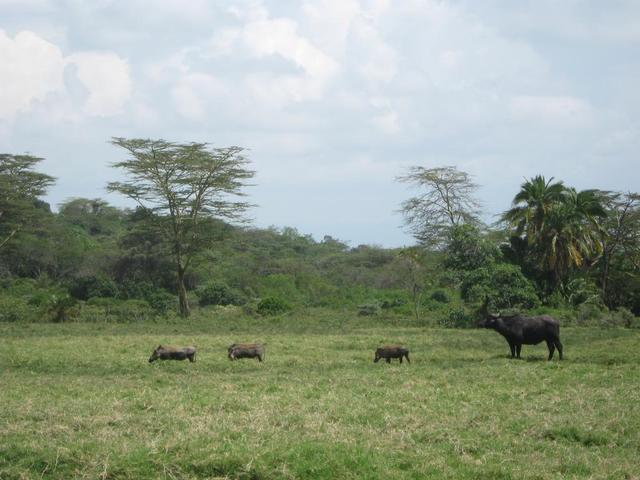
{"points": [[192, 93], [263, 37], [557, 110], [30, 68], [107, 80]]}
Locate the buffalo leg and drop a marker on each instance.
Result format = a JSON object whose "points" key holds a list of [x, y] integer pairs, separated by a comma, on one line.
{"points": [[407, 357], [512, 347], [518, 348], [558, 345], [192, 358], [400, 358], [551, 348], [388, 360]]}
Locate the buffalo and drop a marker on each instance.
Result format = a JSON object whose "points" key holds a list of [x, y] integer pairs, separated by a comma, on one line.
{"points": [[173, 353], [519, 330], [246, 350], [391, 351]]}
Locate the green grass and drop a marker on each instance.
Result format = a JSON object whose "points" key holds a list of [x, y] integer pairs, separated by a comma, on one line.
{"points": [[81, 401]]}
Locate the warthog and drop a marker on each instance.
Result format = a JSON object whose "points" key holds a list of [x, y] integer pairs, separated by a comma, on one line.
{"points": [[246, 350], [519, 330], [391, 351], [173, 353]]}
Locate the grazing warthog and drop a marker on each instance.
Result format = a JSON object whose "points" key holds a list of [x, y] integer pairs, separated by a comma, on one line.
{"points": [[519, 330], [246, 350], [173, 353], [391, 351]]}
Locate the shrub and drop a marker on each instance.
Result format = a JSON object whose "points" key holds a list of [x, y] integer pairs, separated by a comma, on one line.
{"points": [[161, 301], [84, 288], [590, 314], [392, 303], [103, 302], [457, 318], [503, 285], [579, 291], [62, 307], [133, 311], [16, 309], [272, 306], [135, 289], [279, 285], [468, 249], [440, 296], [626, 318], [369, 309], [216, 293]]}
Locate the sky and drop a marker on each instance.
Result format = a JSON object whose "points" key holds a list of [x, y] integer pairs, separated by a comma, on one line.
{"points": [[333, 99]]}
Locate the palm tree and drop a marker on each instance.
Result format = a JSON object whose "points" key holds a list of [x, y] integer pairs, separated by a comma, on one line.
{"points": [[561, 226], [569, 238], [532, 204]]}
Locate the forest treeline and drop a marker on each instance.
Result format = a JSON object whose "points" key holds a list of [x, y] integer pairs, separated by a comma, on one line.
{"points": [[575, 253]]}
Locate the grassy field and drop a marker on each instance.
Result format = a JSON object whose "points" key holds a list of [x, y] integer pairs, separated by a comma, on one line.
{"points": [[81, 401]]}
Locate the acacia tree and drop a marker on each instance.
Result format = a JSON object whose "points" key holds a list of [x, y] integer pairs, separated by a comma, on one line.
{"points": [[20, 187], [620, 237], [182, 185], [447, 200]]}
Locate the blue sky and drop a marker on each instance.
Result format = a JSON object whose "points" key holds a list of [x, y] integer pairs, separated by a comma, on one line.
{"points": [[334, 98]]}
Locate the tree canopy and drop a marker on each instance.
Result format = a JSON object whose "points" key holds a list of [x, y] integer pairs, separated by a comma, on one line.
{"points": [[182, 185], [447, 199]]}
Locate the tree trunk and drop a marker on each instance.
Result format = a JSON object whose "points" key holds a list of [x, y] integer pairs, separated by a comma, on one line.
{"points": [[182, 294], [605, 279], [416, 302]]}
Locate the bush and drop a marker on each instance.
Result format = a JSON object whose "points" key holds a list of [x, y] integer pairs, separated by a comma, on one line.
{"points": [[215, 293], [369, 309], [279, 285], [626, 318], [17, 309], [457, 317], [135, 289], [84, 288], [162, 301], [467, 249], [61, 308], [272, 306], [133, 311], [440, 296], [392, 303], [579, 291], [503, 285]]}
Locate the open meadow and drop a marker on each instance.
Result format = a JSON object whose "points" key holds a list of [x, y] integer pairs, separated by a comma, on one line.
{"points": [[81, 401]]}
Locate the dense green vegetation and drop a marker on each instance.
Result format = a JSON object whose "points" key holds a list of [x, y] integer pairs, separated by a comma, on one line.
{"points": [[81, 401], [576, 253]]}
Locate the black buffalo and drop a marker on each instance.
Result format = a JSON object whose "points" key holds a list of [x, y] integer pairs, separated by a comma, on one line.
{"points": [[519, 330]]}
